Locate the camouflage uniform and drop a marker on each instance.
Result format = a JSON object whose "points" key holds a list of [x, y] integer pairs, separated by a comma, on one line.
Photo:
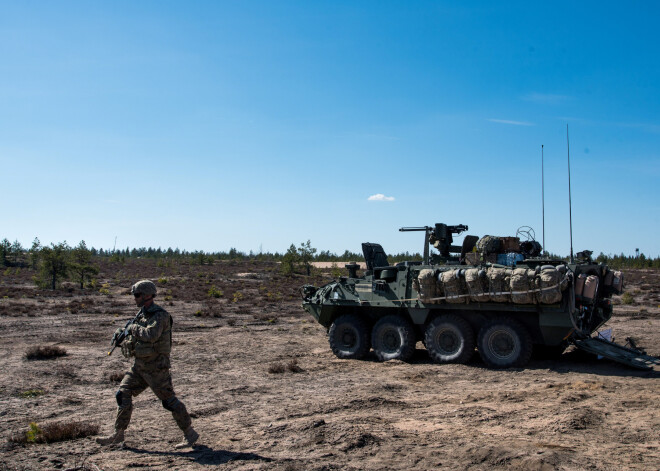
{"points": [[152, 341]]}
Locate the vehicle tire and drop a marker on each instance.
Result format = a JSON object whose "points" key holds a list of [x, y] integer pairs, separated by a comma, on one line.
{"points": [[504, 343], [349, 337], [393, 338], [449, 339]]}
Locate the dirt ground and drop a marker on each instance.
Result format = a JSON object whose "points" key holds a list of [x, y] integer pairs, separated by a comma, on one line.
{"points": [[266, 393]]}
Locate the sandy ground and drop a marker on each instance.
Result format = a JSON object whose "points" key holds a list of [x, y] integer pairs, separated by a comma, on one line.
{"points": [[321, 413]]}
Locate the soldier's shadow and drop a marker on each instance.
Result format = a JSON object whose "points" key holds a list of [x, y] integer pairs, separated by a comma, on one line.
{"points": [[204, 455]]}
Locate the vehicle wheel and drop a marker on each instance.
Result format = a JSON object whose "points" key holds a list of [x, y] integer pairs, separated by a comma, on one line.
{"points": [[449, 339], [349, 337], [504, 343], [393, 338]]}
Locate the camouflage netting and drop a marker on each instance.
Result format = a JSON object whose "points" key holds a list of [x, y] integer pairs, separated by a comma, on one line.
{"points": [[489, 244]]}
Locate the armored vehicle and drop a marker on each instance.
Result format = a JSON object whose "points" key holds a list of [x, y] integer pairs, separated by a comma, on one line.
{"points": [[499, 295]]}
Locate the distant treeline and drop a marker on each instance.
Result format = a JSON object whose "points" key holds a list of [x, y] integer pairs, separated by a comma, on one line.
{"points": [[627, 261], [13, 253], [59, 262]]}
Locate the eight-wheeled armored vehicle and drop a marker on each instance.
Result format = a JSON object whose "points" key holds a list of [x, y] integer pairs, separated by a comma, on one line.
{"points": [[499, 295]]}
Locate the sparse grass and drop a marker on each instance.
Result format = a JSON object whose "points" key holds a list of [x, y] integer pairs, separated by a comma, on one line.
{"points": [[44, 352], [627, 298], [54, 432], [213, 292], [266, 318], [237, 297], [31, 393]]}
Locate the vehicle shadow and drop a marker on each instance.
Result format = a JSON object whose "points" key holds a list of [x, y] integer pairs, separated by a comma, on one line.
{"points": [[204, 455], [577, 361], [574, 361]]}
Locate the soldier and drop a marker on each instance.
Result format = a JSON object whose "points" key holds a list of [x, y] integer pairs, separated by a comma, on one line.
{"points": [[150, 342]]}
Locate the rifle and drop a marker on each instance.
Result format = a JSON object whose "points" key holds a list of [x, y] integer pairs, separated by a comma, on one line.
{"points": [[119, 337]]}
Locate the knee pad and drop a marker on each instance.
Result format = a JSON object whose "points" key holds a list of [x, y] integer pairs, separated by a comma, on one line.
{"points": [[171, 404], [124, 398]]}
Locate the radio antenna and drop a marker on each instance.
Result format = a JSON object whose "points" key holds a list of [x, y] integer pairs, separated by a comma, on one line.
{"points": [[543, 200], [570, 214]]}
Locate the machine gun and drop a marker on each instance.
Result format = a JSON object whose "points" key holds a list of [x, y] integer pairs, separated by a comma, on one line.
{"points": [[119, 337], [441, 236]]}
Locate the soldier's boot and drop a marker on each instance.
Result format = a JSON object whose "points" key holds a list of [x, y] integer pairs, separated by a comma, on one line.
{"points": [[189, 438], [117, 437]]}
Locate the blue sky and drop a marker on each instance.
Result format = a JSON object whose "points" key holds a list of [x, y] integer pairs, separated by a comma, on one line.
{"points": [[257, 124]]}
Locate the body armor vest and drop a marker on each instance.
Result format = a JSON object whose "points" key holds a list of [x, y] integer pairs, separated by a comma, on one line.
{"points": [[163, 344]]}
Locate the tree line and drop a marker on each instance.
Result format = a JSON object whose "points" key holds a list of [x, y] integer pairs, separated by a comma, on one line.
{"points": [[58, 262], [627, 261]]}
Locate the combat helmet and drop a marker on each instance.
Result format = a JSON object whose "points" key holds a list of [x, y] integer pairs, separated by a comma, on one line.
{"points": [[144, 287]]}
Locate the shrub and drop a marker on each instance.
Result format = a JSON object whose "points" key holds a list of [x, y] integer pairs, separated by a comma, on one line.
{"points": [[30, 393], [627, 298], [277, 368], [335, 271], [213, 292], [237, 297], [55, 432], [47, 352], [208, 311], [293, 367], [115, 377]]}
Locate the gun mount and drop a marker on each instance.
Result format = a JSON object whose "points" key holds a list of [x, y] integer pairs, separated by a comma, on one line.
{"points": [[441, 237]]}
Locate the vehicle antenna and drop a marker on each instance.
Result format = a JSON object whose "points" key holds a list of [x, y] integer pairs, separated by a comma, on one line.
{"points": [[543, 199], [570, 214], [113, 248]]}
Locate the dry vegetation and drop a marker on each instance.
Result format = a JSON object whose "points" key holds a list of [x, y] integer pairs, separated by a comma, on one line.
{"points": [[266, 393], [44, 352]]}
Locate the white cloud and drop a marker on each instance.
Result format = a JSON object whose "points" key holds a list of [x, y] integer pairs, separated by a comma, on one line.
{"points": [[380, 197], [515, 123]]}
